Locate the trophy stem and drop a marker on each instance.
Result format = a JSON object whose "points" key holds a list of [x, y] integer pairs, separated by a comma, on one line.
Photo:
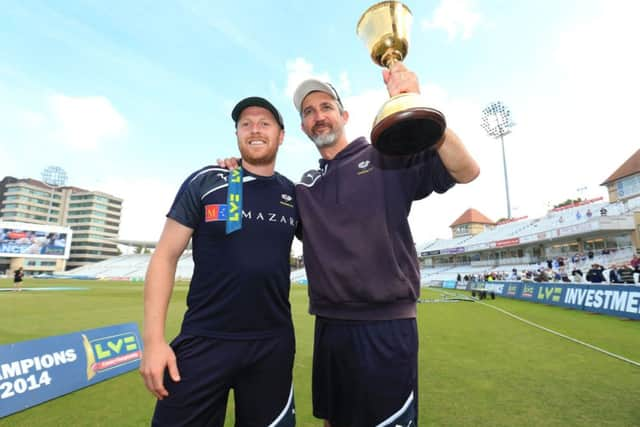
{"points": [[390, 57]]}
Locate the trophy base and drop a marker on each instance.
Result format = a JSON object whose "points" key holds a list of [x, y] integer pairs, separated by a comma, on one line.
{"points": [[409, 131]]}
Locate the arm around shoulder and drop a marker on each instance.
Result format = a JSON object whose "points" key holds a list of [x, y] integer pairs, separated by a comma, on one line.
{"points": [[455, 157]]}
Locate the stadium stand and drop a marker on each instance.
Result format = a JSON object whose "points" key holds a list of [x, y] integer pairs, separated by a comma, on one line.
{"points": [[441, 273], [128, 267], [508, 246], [299, 276], [449, 258], [134, 267]]}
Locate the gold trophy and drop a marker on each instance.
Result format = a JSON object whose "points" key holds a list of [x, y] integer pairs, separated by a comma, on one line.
{"points": [[403, 125]]}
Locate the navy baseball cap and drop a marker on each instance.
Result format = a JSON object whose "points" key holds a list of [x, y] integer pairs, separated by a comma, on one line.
{"points": [[256, 101]]}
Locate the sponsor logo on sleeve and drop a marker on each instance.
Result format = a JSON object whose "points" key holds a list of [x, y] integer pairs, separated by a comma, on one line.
{"points": [[217, 212]]}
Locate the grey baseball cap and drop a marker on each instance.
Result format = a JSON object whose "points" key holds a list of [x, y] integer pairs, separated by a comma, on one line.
{"points": [[313, 85]]}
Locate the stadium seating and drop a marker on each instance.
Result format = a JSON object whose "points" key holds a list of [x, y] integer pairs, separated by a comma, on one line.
{"points": [[133, 267], [124, 266]]}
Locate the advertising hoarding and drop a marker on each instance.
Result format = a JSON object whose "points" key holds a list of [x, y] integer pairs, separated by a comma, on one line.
{"points": [[23, 240]]}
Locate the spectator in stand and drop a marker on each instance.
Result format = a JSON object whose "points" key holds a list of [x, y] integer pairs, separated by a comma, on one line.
{"points": [[614, 277], [575, 258], [625, 273], [528, 277], [590, 254], [565, 277], [594, 275], [543, 276], [577, 275], [589, 214], [514, 275], [635, 263]]}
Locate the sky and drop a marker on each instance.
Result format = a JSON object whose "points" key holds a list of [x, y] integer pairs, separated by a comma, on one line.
{"points": [[130, 97]]}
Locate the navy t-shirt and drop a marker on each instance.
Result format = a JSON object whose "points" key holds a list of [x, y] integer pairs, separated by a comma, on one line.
{"points": [[240, 284]]}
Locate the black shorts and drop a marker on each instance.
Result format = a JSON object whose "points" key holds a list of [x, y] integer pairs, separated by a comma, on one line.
{"points": [[258, 371], [365, 374]]}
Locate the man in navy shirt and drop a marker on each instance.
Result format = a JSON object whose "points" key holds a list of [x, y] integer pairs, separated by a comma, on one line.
{"points": [[360, 259], [237, 331]]}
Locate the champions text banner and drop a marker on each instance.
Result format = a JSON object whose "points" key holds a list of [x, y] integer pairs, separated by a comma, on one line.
{"points": [[32, 372]]}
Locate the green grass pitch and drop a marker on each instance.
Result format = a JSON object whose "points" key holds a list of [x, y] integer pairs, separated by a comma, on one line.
{"points": [[477, 366]]}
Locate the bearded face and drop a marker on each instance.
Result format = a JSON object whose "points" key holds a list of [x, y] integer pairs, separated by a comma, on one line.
{"points": [[259, 136], [322, 119]]}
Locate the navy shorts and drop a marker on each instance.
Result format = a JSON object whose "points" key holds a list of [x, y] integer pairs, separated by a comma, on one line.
{"points": [[365, 373], [258, 371]]}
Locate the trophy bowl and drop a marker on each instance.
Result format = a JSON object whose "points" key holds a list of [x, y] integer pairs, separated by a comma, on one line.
{"points": [[404, 125]]}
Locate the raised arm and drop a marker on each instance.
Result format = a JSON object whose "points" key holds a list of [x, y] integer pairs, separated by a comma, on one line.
{"points": [[455, 157]]}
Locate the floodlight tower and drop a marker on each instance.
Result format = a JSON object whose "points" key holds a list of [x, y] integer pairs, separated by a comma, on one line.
{"points": [[496, 121], [54, 177]]}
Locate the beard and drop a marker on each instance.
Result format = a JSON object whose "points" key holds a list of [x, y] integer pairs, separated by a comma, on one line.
{"points": [[262, 158], [258, 160], [325, 139]]}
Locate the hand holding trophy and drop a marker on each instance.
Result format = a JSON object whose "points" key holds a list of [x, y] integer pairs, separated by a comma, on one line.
{"points": [[404, 125]]}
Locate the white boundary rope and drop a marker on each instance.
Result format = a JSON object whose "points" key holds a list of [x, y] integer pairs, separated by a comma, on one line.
{"points": [[577, 341], [551, 331]]}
